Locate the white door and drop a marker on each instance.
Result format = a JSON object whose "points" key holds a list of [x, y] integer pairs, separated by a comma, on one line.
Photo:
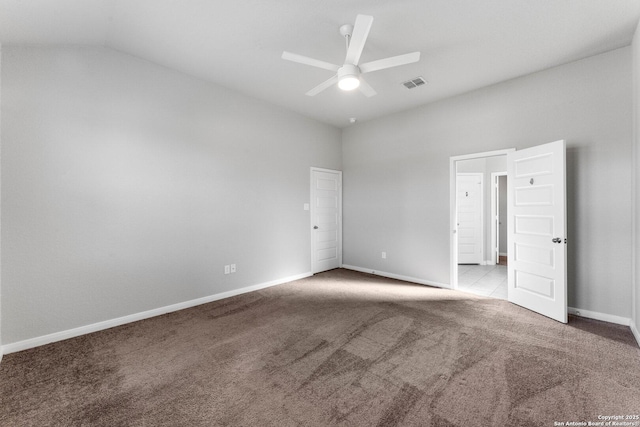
{"points": [[469, 210], [537, 273], [326, 220]]}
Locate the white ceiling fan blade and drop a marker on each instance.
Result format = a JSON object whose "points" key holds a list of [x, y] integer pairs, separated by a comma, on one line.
{"points": [[322, 86], [309, 61], [393, 61], [366, 89], [358, 38]]}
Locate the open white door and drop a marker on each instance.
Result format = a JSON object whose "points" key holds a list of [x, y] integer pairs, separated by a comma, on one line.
{"points": [[537, 270]]}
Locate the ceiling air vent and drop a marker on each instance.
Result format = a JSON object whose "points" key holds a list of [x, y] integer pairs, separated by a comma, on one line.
{"points": [[413, 83]]}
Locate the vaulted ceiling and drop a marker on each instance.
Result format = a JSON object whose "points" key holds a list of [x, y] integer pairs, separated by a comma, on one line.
{"points": [[464, 44]]}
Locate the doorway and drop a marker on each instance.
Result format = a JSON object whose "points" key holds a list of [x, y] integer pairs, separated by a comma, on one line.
{"points": [[482, 277], [536, 227], [499, 218], [490, 277]]}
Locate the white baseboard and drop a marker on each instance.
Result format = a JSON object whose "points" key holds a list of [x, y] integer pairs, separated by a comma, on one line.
{"points": [[502, 254], [397, 276], [599, 316], [95, 327], [635, 332]]}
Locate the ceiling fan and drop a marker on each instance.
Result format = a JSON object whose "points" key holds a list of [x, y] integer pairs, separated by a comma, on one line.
{"points": [[349, 75]]}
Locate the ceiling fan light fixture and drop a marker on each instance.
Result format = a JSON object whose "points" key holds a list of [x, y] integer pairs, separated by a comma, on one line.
{"points": [[349, 83], [348, 77]]}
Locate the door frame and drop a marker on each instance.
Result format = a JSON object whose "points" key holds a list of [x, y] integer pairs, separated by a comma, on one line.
{"points": [[453, 241], [312, 209], [495, 216]]}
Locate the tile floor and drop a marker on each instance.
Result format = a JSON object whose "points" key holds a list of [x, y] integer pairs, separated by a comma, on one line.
{"points": [[486, 280]]}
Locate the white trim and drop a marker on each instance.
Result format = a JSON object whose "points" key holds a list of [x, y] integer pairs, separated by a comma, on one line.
{"points": [[396, 276], [484, 154], [636, 334], [611, 318], [325, 170], [453, 242], [453, 227], [95, 327], [495, 216], [494, 230], [313, 169]]}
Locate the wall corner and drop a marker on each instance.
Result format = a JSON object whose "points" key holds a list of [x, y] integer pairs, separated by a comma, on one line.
{"points": [[635, 185], [0, 201]]}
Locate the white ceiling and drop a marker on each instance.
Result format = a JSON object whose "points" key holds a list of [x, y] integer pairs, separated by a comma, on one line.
{"points": [[464, 44]]}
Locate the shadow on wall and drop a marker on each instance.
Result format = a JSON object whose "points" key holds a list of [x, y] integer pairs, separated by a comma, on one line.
{"points": [[572, 155]]}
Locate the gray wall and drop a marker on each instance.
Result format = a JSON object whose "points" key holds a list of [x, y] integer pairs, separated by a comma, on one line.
{"points": [[105, 159], [0, 199], [396, 173], [127, 187]]}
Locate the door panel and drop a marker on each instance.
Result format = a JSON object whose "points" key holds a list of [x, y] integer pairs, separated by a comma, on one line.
{"points": [[540, 195], [537, 277], [326, 220]]}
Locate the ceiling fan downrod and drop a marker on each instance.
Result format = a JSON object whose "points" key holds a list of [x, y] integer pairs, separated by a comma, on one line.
{"points": [[346, 30]]}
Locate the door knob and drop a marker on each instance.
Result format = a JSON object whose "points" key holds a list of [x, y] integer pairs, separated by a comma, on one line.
{"points": [[315, 227], [556, 240]]}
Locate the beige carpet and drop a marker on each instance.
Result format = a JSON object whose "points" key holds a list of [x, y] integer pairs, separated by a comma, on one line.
{"points": [[339, 348]]}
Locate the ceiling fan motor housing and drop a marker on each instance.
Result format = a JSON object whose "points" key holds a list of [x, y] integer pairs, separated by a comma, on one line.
{"points": [[348, 70]]}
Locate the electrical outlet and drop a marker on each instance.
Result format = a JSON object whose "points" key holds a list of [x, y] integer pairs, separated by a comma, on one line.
{"points": [[226, 269], [384, 255], [233, 268]]}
